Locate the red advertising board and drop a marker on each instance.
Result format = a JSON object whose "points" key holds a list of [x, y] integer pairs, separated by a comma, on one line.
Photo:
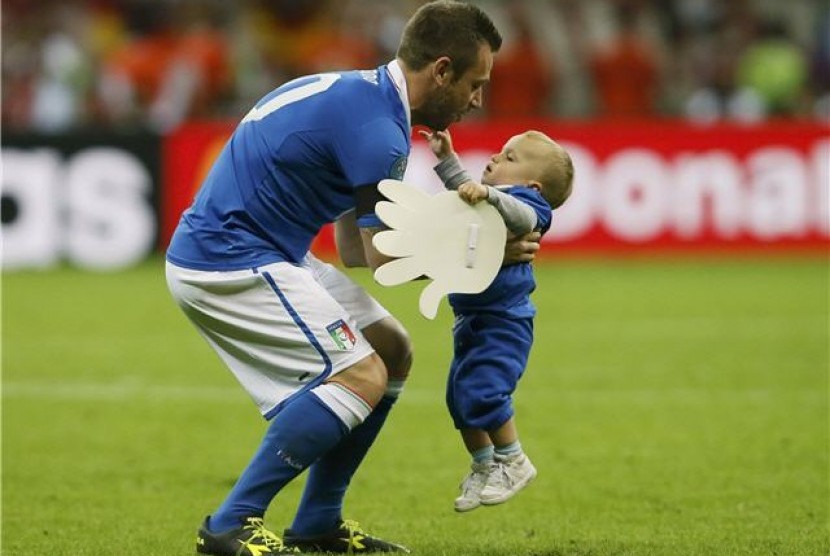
{"points": [[650, 186]]}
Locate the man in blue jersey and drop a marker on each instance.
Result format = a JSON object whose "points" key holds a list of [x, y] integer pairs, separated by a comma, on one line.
{"points": [[493, 331], [323, 361]]}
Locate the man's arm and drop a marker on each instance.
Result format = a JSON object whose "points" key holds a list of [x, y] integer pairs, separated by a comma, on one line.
{"points": [[355, 245], [366, 199], [349, 242], [374, 258]]}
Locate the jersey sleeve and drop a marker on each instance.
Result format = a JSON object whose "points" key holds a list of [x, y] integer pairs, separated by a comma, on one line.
{"points": [[534, 200], [375, 151]]}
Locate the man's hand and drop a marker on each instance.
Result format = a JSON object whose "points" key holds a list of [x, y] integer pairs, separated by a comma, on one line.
{"points": [[521, 249], [472, 192]]}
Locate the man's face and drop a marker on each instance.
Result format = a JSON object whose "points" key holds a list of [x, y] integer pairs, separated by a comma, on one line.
{"points": [[450, 103]]}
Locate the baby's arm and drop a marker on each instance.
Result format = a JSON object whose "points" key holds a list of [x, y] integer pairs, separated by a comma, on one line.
{"points": [[473, 192], [449, 169], [440, 143], [518, 216]]}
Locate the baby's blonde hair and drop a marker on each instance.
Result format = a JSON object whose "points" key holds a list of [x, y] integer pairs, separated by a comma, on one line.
{"points": [[556, 172]]}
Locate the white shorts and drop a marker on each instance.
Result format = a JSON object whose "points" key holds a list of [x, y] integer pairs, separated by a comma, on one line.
{"points": [[280, 328]]}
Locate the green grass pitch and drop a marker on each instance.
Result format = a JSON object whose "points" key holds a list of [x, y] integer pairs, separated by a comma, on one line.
{"points": [[675, 407]]}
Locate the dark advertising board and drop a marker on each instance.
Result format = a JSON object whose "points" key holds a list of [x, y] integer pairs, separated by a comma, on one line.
{"points": [[86, 199]]}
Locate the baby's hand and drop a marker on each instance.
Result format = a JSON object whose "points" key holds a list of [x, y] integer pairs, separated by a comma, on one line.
{"points": [[439, 142], [472, 192]]}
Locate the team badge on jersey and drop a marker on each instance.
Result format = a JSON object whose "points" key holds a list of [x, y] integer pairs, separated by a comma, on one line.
{"points": [[398, 168], [342, 335]]}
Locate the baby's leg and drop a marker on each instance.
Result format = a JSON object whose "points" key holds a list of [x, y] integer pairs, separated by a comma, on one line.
{"points": [[511, 470], [477, 442]]}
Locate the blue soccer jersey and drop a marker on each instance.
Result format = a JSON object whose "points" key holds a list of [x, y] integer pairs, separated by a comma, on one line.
{"points": [[510, 291], [293, 165]]}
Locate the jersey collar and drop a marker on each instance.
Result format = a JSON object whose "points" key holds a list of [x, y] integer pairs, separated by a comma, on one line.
{"points": [[396, 73]]}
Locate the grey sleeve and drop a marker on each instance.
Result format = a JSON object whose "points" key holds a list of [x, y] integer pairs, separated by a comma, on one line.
{"points": [[518, 217], [451, 172]]}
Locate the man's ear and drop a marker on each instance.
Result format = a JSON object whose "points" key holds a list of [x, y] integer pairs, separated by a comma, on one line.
{"points": [[442, 71], [533, 184]]}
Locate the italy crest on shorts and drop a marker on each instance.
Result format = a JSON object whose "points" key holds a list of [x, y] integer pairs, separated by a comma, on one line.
{"points": [[342, 335]]}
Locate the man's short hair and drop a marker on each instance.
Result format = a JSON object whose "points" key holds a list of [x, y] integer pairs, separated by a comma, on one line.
{"points": [[447, 28]]}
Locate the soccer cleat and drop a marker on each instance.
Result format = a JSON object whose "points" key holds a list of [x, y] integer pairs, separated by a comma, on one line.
{"points": [[347, 538], [472, 486], [252, 539], [508, 476]]}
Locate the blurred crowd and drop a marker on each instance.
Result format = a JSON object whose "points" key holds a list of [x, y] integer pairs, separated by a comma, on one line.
{"points": [[118, 64]]}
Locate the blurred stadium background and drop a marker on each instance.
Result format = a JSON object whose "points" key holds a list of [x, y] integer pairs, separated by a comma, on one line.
{"points": [[107, 63], [677, 402], [694, 124]]}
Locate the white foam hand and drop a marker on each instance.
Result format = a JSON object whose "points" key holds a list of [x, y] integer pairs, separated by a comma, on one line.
{"points": [[459, 246]]}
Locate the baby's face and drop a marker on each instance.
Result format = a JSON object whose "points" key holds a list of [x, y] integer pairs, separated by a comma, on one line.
{"points": [[518, 162]]}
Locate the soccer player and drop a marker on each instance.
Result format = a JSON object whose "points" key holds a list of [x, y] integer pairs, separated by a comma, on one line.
{"points": [[493, 331], [323, 361]]}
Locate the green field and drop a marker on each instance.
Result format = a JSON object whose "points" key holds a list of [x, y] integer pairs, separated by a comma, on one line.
{"points": [[677, 407]]}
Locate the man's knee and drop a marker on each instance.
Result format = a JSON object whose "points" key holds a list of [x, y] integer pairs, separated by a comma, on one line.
{"points": [[392, 344], [366, 378]]}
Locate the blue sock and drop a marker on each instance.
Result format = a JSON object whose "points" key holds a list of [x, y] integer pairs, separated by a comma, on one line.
{"points": [[299, 434], [322, 502], [483, 455], [509, 450]]}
